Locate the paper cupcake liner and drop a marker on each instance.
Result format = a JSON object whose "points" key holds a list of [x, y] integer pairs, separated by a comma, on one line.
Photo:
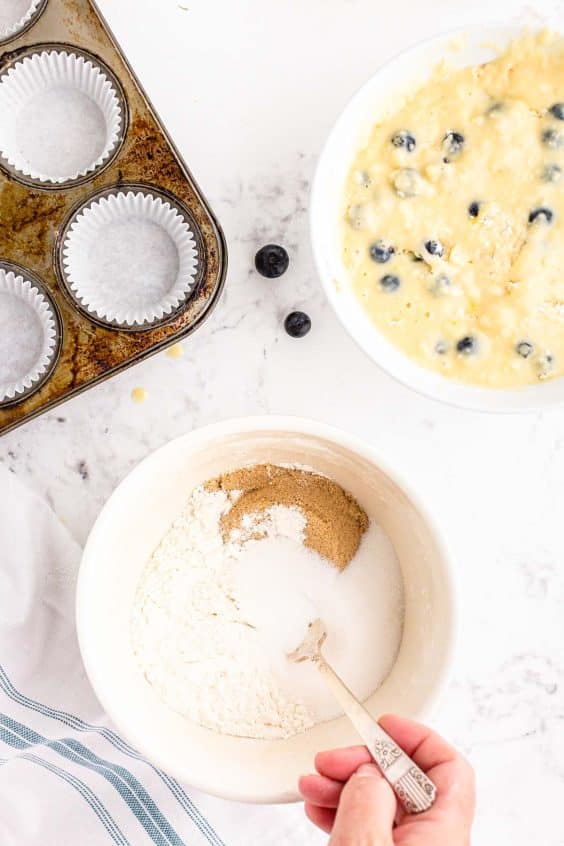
{"points": [[28, 335], [32, 79], [130, 258], [7, 32]]}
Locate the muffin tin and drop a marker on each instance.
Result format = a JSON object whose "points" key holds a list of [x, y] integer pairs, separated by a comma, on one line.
{"points": [[102, 227]]}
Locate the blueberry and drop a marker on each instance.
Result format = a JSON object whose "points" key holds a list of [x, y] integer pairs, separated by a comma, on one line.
{"points": [[297, 324], [474, 209], [553, 139], [453, 144], [363, 178], [545, 365], [557, 111], [441, 347], [435, 248], [272, 261], [381, 252], [551, 172], [541, 215], [406, 182], [404, 139], [390, 282], [524, 349], [467, 345], [441, 284]]}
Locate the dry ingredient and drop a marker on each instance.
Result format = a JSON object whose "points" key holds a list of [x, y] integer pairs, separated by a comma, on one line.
{"points": [[335, 521], [233, 585]]}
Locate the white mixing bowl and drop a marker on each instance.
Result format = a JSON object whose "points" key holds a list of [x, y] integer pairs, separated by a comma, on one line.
{"points": [[131, 525], [401, 75]]}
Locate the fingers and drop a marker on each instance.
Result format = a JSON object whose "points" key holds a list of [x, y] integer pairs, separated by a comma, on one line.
{"points": [[366, 810], [323, 818], [340, 764], [427, 748], [320, 790], [449, 770]]}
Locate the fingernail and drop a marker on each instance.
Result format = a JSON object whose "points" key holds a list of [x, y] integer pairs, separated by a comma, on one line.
{"points": [[368, 771]]}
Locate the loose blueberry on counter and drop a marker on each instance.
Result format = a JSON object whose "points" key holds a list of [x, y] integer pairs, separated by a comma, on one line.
{"points": [[467, 345], [381, 252], [272, 261], [297, 324], [551, 172], [406, 182], [474, 209], [435, 248], [453, 144], [390, 282], [405, 140], [557, 111], [553, 139], [541, 215], [524, 349], [441, 347]]}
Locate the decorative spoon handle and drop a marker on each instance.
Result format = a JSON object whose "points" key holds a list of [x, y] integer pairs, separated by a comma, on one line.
{"points": [[413, 788]]}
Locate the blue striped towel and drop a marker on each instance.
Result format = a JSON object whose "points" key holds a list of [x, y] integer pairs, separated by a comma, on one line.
{"points": [[66, 777]]}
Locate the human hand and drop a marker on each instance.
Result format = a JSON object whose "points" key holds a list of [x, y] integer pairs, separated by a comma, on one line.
{"points": [[351, 799]]}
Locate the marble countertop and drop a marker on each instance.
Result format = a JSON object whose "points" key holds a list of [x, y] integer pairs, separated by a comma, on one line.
{"points": [[249, 92]]}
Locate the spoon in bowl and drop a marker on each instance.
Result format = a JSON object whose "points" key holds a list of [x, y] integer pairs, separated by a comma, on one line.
{"points": [[414, 789]]}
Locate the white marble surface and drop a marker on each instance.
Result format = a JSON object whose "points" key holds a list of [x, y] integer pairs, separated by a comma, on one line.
{"points": [[249, 91]]}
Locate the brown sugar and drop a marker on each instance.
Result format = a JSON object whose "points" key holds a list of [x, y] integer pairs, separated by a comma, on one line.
{"points": [[335, 521]]}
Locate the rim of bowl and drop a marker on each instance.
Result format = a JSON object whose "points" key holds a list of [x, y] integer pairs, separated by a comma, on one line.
{"points": [[526, 399], [201, 437]]}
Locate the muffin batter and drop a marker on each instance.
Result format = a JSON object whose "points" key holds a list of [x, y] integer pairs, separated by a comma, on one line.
{"points": [[454, 229]]}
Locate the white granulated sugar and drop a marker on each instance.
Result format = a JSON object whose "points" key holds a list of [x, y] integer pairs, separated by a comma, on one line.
{"points": [[134, 263], [21, 338], [61, 132], [212, 623], [12, 12]]}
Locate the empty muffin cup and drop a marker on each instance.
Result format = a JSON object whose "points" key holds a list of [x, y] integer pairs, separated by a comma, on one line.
{"points": [[61, 116], [28, 336], [130, 258], [16, 15]]}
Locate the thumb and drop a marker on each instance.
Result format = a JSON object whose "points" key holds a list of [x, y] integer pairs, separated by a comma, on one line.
{"points": [[366, 812]]}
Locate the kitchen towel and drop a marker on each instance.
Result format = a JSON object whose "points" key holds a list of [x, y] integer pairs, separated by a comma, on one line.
{"points": [[66, 776]]}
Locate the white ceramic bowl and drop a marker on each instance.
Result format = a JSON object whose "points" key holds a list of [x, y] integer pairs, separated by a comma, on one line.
{"points": [[401, 75], [129, 528]]}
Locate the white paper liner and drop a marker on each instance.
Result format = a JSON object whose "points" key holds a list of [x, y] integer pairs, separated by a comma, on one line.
{"points": [[58, 85], [130, 258], [6, 31], [28, 335]]}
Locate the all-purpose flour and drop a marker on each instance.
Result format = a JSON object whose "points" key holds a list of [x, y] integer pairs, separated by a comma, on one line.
{"points": [[214, 619]]}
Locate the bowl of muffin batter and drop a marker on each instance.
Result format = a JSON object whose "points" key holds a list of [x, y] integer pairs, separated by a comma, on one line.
{"points": [[438, 218], [206, 567]]}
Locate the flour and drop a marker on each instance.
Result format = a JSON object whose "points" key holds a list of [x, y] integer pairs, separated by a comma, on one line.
{"points": [[214, 620]]}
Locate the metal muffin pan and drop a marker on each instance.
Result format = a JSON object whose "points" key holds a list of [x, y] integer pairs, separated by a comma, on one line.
{"points": [[18, 270], [109, 192], [116, 85], [36, 216]]}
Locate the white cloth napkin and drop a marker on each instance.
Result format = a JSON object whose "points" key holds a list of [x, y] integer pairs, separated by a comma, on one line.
{"points": [[66, 777]]}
